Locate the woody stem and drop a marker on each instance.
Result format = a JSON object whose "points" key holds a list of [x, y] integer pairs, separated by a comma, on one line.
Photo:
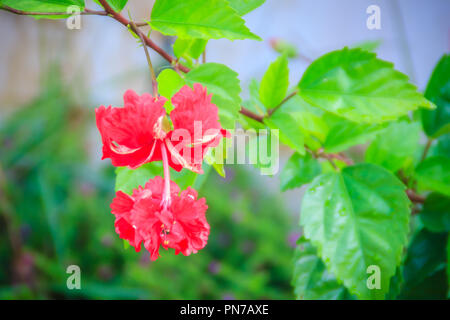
{"points": [[166, 193]]}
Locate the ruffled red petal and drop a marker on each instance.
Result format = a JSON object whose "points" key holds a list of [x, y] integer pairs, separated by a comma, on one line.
{"points": [[121, 207], [196, 128], [128, 133], [141, 218]]}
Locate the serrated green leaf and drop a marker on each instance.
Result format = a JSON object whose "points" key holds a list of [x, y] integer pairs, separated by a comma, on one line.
{"points": [[298, 171], [275, 83], [223, 83], [169, 82], [434, 174], [189, 48], [395, 146], [358, 86], [44, 6], [437, 122], [308, 118], [325, 129], [117, 5], [357, 218], [245, 6], [311, 280], [205, 19], [424, 267], [344, 133], [435, 214], [289, 131]]}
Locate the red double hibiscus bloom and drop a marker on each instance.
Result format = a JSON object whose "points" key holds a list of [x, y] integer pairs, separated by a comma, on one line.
{"points": [[134, 135], [162, 218]]}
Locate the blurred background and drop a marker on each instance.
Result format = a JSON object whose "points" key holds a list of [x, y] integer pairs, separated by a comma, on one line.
{"points": [[55, 192]]}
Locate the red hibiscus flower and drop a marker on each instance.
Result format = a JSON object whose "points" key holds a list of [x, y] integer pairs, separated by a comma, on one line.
{"points": [[133, 135], [159, 215]]}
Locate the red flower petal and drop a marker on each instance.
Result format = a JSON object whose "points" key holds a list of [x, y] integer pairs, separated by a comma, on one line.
{"points": [[196, 128], [128, 133], [181, 226], [121, 207]]}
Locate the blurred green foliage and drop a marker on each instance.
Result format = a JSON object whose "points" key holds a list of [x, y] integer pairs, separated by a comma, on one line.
{"points": [[54, 212]]}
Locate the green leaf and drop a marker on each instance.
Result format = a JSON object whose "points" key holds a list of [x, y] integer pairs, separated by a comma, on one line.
{"points": [[311, 280], [205, 19], [356, 85], [424, 267], [442, 147], [216, 159], [426, 255], [344, 133], [309, 119], [275, 82], [437, 122], [370, 45], [223, 83], [255, 105], [395, 147], [357, 218], [289, 131], [189, 48], [169, 82], [44, 6], [395, 286], [117, 5], [325, 129], [262, 150], [434, 174], [298, 171], [128, 179], [245, 6], [435, 214]]}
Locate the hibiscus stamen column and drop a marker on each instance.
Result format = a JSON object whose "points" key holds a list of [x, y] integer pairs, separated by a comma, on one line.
{"points": [[166, 193]]}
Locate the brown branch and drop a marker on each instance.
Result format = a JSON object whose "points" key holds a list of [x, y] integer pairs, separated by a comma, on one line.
{"points": [[251, 114], [120, 18], [282, 102], [141, 24], [117, 16], [414, 197], [427, 148], [338, 156]]}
